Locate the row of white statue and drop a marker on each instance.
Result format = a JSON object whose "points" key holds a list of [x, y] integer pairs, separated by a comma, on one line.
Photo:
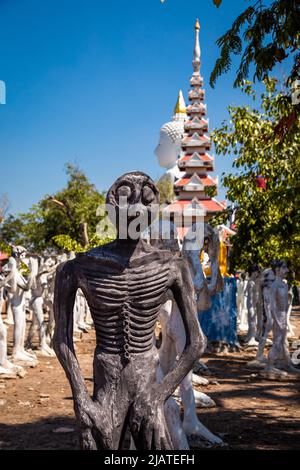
{"points": [[263, 306], [35, 293]]}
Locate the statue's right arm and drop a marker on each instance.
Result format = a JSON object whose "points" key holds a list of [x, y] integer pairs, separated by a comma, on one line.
{"points": [[64, 299]]}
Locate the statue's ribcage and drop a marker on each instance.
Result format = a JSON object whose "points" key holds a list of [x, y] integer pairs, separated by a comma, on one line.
{"points": [[125, 305]]}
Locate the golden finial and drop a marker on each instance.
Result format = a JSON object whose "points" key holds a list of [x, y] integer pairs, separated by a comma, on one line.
{"points": [[180, 107], [197, 25]]}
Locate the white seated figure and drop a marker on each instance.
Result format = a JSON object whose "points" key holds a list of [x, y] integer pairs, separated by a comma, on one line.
{"points": [[169, 145], [173, 342], [17, 286], [279, 303]]}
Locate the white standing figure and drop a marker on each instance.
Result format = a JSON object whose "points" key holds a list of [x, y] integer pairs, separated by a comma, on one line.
{"points": [[242, 303], [80, 313], [268, 277], [291, 331], [173, 334], [6, 367], [252, 302], [9, 320], [279, 307], [39, 284], [18, 285], [51, 264]]}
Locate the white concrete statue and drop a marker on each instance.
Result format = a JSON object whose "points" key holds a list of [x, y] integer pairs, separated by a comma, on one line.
{"points": [[39, 284], [50, 265], [173, 336], [241, 300], [267, 279], [7, 368], [169, 146], [279, 303], [9, 320], [81, 313], [17, 286], [291, 331], [252, 305]]}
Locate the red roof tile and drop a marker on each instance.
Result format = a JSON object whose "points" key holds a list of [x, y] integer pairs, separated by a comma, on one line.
{"points": [[201, 137], [206, 181], [204, 157], [209, 204]]}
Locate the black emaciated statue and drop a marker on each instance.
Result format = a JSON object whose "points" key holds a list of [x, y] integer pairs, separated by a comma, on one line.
{"points": [[125, 283]]}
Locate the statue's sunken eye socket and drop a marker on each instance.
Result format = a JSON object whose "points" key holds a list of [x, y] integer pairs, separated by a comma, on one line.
{"points": [[148, 195], [124, 191]]}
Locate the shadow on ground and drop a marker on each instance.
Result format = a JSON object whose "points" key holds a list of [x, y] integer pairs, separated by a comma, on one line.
{"points": [[40, 435]]}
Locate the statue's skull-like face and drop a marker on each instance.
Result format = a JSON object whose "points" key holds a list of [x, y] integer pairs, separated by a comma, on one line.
{"points": [[282, 270], [268, 277], [134, 195]]}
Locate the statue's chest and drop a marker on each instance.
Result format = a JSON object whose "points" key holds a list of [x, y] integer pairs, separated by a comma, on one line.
{"points": [[282, 295], [113, 286]]}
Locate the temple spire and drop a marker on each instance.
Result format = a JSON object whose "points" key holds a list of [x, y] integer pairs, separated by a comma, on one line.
{"points": [[194, 190], [197, 50]]}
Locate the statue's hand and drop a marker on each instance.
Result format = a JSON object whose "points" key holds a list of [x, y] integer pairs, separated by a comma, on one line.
{"points": [[95, 433], [147, 423]]}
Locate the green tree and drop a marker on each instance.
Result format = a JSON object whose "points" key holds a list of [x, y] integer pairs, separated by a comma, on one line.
{"points": [[70, 212], [166, 189], [268, 220], [264, 36]]}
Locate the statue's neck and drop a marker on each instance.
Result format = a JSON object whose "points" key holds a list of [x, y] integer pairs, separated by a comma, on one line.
{"points": [[173, 170], [172, 166], [130, 248]]}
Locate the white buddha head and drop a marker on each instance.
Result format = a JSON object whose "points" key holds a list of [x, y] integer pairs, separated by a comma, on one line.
{"points": [[171, 134]]}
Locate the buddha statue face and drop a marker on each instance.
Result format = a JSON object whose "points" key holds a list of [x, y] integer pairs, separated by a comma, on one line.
{"points": [[169, 145], [171, 134], [166, 151]]}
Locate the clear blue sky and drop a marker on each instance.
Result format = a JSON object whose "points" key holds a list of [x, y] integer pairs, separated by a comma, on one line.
{"points": [[92, 82]]}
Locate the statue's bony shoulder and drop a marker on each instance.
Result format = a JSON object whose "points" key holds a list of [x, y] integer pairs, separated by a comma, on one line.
{"points": [[99, 252], [105, 257], [179, 266], [153, 255]]}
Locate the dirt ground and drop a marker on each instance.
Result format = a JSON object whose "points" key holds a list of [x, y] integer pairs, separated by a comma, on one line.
{"points": [[36, 411]]}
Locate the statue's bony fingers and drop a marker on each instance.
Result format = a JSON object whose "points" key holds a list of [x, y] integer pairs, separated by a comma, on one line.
{"points": [[166, 443], [147, 433], [156, 441], [104, 439], [135, 429], [87, 439]]}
